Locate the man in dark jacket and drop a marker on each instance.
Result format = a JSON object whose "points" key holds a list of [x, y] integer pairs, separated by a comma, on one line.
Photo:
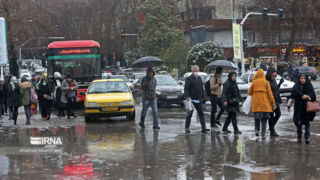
{"points": [[275, 115], [1, 98], [148, 86], [193, 90]]}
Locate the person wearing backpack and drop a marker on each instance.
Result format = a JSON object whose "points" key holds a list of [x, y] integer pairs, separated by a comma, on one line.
{"points": [[25, 87], [215, 97]]}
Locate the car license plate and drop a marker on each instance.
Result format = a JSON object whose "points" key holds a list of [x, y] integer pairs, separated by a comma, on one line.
{"points": [[285, 94], [111, 109], [172, 97]]}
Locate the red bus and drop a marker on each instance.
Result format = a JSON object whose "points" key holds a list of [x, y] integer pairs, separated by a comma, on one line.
{"points": [[80, 59]]}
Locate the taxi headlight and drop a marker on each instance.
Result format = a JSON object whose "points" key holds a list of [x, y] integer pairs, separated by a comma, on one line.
{"points": [[158, 92], [182, 91], [126, 102], [92, 104]]}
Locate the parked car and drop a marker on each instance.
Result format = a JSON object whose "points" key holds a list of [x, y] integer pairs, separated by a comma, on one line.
{"points": [[203, 76], [243, 86], [168, 90], [285, 88], [39, 70], [136, 76], [25, 72], [310, 71], [123, 77], [109, 98]]}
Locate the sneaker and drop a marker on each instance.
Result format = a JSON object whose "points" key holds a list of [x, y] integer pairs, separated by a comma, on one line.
{"points": [[68, 117], [257, 133], [263, 135], [27, 123], [237, 132], [226, 131], [298, 140], [214, 126], [44, 119], [218, 123], [307, 141], [274, 134], [156, 127], [205, 130], [187, 130], [141, 125], [74, 115]]}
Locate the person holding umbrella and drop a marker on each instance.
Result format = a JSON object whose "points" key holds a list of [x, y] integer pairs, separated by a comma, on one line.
{"points": [[148, 86]]}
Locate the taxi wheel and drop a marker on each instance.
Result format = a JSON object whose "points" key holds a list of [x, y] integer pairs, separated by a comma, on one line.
{"points": [[132, 116], [87, 119]]}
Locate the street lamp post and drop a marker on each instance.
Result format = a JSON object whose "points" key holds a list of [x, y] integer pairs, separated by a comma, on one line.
{"points": [[23, 44], [241, 35]]}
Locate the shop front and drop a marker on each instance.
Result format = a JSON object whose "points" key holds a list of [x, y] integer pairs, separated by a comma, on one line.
{"points": [[298, 53], [313, 56]]}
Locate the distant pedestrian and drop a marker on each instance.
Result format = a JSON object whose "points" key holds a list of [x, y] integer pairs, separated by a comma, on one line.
{"points": [[25, 87], [295, 75], [231, 99], [7, 81], [194, 92], [69, 89], [34, 80], [45, 95], [14, 98], [215, 97], [2, 98], [302, 92], [58, 93], [275, 115], [148, 86], [262, 102]]}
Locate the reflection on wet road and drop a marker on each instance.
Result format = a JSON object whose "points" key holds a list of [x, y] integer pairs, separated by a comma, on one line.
{"points": [[118, 149]]}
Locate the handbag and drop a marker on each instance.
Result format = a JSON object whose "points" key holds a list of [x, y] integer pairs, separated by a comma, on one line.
{"points": [[33, 96], [246, 107], [313, 106]]}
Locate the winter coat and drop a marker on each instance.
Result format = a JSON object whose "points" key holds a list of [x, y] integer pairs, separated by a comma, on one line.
{"points": [[274, 86], [2, 93], [300, 105], [25, 93], [193, 88], [231, 94], [13, 95], [58, 92], [66, 92], [45, 90], [148, 86], [215, 87], [260, 90]]}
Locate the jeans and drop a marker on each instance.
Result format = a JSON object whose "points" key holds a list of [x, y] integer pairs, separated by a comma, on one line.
{"points": [[198, 107], [257, 125], [14, 111], [232, 117], [214, 102], [307, 130], [145, 106], [274, 117], [27, 111], [1, 109]]}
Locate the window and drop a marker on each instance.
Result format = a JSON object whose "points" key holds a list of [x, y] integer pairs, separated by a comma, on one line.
{"points": [[205, 12]]}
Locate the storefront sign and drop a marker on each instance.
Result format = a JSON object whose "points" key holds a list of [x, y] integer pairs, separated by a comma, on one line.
{"points": [[3, 42]]}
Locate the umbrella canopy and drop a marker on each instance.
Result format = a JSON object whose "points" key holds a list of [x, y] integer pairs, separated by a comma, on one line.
{"points": [[283, 63], [148, 61], [222, 63]]}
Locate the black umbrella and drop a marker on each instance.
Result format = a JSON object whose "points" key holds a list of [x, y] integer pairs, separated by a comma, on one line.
{"points": [[222, 63], [148, 61], [283, 63]]}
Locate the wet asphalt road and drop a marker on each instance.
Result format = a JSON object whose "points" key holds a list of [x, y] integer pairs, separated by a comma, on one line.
{"points": [[119, 149]]}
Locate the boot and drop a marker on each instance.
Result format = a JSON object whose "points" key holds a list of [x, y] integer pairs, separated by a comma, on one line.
{"points": [[257, 132]]}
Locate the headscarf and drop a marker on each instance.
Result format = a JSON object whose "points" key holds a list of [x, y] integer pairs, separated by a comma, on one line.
{"points": [[24, 79], [270, 71], [259, 75], [306, 88], [230, 76], [57, 75]]}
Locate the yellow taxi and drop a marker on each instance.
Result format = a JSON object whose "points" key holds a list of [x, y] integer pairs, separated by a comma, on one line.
{"points": [[109, 98]]}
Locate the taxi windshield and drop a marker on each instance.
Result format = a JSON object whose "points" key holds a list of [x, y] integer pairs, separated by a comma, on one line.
{"points": [[108, 87]]}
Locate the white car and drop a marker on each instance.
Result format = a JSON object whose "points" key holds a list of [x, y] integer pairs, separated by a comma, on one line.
{"points": [[285, 88], [25, 72]]}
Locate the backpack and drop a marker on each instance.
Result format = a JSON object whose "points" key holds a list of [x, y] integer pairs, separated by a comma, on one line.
{"points": [[207, 86], [33, 96]]}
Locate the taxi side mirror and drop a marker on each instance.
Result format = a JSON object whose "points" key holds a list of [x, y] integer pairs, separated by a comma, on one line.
{"points": [[82, 93]]}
